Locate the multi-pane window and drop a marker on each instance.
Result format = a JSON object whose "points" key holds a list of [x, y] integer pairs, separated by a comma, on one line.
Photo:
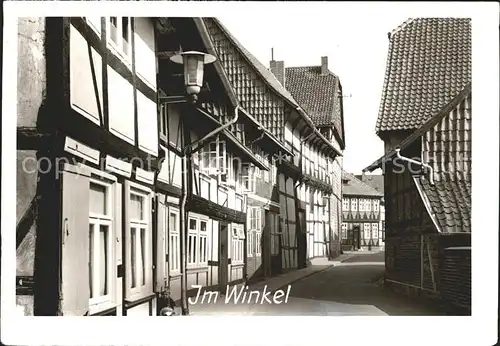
{"points": [[174, 242], [354, 204], [374, 230], [366, 231], [274, 172], [368, 205], [311, 200], [120, 35], [376, 205], [140, 261], [361, 206], [254, 230], [197, 241], [237, 244], [345, 204], [248, 177], [213, 158], [139, 252], [101, 245], [344, 230]]}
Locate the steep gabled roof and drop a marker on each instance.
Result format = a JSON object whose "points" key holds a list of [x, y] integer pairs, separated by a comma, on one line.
{"points": [[428, 64], [352, 186], [374, 180], [271, 81], [318, 94], [448, 202]]}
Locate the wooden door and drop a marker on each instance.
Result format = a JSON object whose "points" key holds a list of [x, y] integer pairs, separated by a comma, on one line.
{"points": [[302, 239], [223, 256]]}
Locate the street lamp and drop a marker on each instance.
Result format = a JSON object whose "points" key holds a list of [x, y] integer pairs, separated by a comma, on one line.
{"points": [[193, 62]]}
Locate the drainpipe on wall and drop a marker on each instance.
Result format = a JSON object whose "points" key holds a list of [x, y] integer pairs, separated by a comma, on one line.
{"points": [[187, 153], [431, 171]]}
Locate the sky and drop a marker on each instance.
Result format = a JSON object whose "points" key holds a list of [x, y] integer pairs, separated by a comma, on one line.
{"points": [[356, 47]]}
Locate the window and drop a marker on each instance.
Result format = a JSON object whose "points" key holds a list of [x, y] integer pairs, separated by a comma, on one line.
{"points": [[374, 230], [311, 200], [274, 172], [174, 242], [366, 231], [197, 247], [361, 204], [344, 230], [239, 202], [213, 158], [237, 243], [120, 36], [139, 251], [368, 205], [248, 178], [345, 204], [101, 245], [354, 204], [254, 231], [375, 205]]}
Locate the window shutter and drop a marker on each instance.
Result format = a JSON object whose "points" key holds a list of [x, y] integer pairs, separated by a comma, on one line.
{"points": [[161, 244], [75, 290]]}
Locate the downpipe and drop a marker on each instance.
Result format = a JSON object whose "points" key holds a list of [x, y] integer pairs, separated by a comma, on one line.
{"points": [[186, 157], [407, 159]]}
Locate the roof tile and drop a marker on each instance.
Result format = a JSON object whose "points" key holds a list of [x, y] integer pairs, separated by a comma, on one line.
{"points": [[319, 95], [450, 201], [352, 186], [428, 64]]}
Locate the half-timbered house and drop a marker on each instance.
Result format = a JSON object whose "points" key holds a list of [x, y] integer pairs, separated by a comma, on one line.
{"points": [[361, 215], [278, 204], [376, 181], [218, 174], [319, 92], [87, 155], [425, 122]]}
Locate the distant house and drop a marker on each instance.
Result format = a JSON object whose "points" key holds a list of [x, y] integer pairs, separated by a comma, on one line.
{"points": [[376, 181], [319, 92], [362, 227], [425, 114]]}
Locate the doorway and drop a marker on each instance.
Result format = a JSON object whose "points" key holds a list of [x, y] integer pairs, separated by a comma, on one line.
{"points": [[223, 256], [302, 239], [356, 238]]}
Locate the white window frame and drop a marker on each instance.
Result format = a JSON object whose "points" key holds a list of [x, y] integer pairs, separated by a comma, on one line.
{"points": [[344, 230], [219, 155], [174, 243], [368, 205], [346, 204], [198, 234], [237, 244], [248, 174], [145, 224], [117, 47], [103, 302], [376, 205], [367, 231], [375, 231], [354, 204], [361, 206]]}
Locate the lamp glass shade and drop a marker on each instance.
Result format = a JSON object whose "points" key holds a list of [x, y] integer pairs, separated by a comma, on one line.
{"points": [[193, 70]]}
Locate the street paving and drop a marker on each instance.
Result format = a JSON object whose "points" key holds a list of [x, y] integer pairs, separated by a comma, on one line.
{"points": [[351, 288]]}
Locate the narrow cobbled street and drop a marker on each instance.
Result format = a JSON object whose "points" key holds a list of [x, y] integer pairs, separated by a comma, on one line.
{"points": [[351, 288]]}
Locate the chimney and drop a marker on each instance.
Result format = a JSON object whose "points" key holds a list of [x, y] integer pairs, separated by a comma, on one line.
{"points": [[278, 69], [324, 65]]}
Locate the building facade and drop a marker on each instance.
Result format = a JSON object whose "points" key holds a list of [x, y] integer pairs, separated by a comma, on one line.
{"points": [[428, 198], [150, 192], [362, 222], [376, 181], [319, 92]]}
